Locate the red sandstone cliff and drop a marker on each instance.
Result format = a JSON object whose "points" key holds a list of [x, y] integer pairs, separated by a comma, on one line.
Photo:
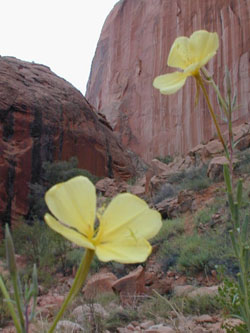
{"points": [[44, 118], [133, 49]]}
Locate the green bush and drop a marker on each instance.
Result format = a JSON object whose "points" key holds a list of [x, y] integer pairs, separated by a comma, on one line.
{"points": [[49, 250], [170, 229], [166, 191], [121, 318], [193, 179], [204, 217], [229, 300], [200, 305], [53, 173], [170, 240], [194, 253], [204, 252], [167, 159]]}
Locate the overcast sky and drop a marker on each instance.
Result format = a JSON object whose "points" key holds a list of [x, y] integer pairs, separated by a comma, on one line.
{"points": [[61, 34]]}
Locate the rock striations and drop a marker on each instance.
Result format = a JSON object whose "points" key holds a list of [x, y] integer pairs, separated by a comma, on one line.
{"points": [[44, 118], [133, 49]]}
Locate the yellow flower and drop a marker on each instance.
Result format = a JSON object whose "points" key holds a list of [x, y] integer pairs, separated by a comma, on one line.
{"points": [[188, 54], [124, 226]]}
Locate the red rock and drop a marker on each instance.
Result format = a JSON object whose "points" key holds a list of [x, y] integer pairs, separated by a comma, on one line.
{"points": [[185, 199], [159, 167], [131, 285], [181, 291], [132, 50], [137, 190], [204, 319], [86, 311], [204, 291], [168, 208], [44, 118], [214, 147], [215, 168], [103, 184], [99, 283], [242, 136], [47, 304]]}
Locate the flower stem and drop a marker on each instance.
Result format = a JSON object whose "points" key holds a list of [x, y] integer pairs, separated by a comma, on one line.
{"points": [[201, 83], [210, 79], [77, 284]]}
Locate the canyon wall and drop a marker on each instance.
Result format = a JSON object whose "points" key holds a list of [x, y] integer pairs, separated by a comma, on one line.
{"points": [[133, 49], [44, 118]]}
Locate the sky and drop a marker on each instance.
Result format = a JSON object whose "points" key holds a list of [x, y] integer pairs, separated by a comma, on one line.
{"points": [[61, 34]]}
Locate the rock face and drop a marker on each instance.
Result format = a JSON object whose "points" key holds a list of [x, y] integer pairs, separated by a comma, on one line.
{"points": [[44, 118], [133, 49]]}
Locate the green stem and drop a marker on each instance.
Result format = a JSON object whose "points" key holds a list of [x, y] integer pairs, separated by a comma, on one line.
{"points": [[243, 277], [230, 136], [77, 284], [10, 305], [201, 83], [211, 80]]}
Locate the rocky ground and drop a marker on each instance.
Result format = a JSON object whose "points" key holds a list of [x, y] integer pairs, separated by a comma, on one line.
{"points": [[134, 299]]}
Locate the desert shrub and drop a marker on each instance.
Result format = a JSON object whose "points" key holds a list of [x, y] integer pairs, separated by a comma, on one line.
{"points": [[229, 299], [192, 179], [194, 253], [53, 173], [205, 216], [205, 252], [162, 306], [166, 191], [49, 250], [121, 318], [61, 171], [200, 305], [170, 229], [170, 240], [167, 159], [154, 307]]}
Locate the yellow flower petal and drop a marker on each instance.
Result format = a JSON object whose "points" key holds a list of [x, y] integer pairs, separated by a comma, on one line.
{"points": [[203, 45], [127, 251], [125, 214], [145, 225], [70, 234], [179, 55], [170, 83], [73, 203]]}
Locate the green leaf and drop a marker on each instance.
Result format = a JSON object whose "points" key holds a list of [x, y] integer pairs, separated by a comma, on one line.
{"points": [[227, 178], [239, 192], [235, 245], [10, 252], [244, 228], [10, 305]]}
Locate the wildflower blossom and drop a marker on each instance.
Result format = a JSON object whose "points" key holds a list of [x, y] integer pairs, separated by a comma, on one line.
{"points": [[188, 54], [124, 227]]}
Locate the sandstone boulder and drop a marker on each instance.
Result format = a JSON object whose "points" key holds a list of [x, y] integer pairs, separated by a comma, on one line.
{"points": [[86, 312], [44, 118], [99, 283], [131, 285], [215, 168], [133, 49]]}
